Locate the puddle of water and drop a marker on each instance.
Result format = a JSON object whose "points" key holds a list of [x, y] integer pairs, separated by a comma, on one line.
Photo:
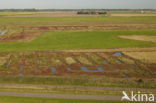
{"points": [[84, 68], [119, 61], [3, 32], [100, 69], [117, 54], [53, 70], [20, 74], [79, 63], [126, 76], [36, 70], [106, 62], [69, 69], [21, 68], [7, 66]]}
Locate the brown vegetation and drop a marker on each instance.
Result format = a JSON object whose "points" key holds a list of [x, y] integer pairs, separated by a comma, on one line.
{"points": [[140, 38], [40, 63]]}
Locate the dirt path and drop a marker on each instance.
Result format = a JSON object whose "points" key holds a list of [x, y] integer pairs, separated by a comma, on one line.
{"points": [[130, 49], [62, 96]]}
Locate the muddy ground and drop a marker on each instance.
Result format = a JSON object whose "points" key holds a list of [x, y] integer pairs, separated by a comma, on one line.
{"points": [[111, 64]]}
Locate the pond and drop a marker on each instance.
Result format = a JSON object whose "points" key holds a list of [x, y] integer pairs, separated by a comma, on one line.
{"points": [[3, 32], [117, 54]]}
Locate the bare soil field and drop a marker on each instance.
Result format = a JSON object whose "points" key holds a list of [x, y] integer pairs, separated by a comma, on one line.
{"points": [[20, 36], [132, 15]]}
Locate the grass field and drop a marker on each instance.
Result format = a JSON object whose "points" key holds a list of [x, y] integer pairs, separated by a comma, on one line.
{"points": [[16, 13], [79, 40], [32, 45], [81, 19], [44, 100], [80, 81]]}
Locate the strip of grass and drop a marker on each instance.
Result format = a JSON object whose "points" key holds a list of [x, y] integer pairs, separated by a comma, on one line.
{"points": [[6, 99], [17, 19], [79, 40], [97, 81], [17, 13]]}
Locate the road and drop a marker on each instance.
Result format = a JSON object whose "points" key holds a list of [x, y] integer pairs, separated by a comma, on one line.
{"points": [[69, 96], [62, 96]]}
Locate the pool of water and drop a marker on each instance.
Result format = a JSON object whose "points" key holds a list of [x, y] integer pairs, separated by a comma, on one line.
{"points": [[70, 69], [36, 70], [21, 68], [20, 74], [126, 76], [79, 63], [53, 69], [21, 71], [117, 54], [84, 68], [7, 65], [3, 32], [107, 62], [99, 69], [119, 61]]}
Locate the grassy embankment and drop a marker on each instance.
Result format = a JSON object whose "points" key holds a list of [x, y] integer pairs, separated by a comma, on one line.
{"points": [[98, 81]]}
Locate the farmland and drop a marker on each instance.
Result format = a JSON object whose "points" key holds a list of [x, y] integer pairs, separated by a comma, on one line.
{"points": [[100, 52]]}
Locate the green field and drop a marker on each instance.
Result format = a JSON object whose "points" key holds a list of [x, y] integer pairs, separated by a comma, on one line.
{"points": [[79, 40], [83, 80], [86, 39], [73, 33], [44, 100], [16, 13], [102, 19]]}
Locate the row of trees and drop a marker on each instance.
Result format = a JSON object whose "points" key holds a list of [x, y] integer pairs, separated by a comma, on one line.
{"points": [[92, 12], [18, 10]]}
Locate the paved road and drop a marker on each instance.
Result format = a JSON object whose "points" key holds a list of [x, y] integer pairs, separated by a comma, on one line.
{"points": [[62, 96]]}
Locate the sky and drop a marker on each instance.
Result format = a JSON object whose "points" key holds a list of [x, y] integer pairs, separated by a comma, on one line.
{"points": [[78, 4]]}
